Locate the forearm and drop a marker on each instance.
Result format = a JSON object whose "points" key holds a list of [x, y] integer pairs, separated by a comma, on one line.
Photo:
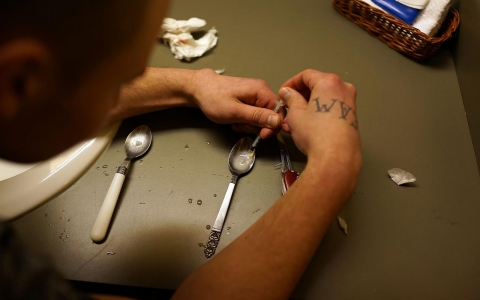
{"points": [[268, 259], [243, 102], [156, 89]]}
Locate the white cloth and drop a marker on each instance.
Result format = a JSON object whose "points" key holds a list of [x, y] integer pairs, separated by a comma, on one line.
{"points": [[182, 44], [431, 18]]}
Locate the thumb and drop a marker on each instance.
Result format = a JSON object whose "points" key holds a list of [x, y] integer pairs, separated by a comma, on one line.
{"points": [[261, 117], [292, 98]]}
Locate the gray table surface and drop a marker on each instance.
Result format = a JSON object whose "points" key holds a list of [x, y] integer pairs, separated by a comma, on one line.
{"points": [[415, 242]]}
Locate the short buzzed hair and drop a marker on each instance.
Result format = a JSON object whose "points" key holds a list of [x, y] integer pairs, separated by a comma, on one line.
{"points": [[79, 32]]}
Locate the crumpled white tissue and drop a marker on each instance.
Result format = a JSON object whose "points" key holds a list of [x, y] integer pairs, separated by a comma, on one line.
{"points": [[182, 44]]}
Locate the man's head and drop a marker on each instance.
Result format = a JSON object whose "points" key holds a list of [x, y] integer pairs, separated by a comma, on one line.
{"points": [[62, 64]]}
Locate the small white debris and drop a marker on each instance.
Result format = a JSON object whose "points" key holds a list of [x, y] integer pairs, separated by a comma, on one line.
{"points": [[110, 253], [343, 225], [220, 71], [400, 176]]}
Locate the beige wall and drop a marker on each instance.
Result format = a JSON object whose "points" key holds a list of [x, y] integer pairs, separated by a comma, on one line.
{"points": [[467, 62]]}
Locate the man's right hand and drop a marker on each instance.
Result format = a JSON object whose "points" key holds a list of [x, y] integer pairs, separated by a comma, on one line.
{"points": [[325, 127], [326, 124]]}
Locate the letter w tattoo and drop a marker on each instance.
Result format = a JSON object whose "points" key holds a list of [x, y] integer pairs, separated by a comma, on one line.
{"points": [[324, 107]]}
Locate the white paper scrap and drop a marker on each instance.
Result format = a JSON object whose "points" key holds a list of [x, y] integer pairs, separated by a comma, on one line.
{"points": [[400, 176], [343, 225], [182, 43]]}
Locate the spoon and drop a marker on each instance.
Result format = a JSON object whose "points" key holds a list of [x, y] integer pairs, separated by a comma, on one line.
{"points": [[136, 144], [240, 162]]}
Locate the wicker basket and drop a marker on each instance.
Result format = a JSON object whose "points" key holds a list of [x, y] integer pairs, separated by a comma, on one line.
{"points": [[395, 33]]}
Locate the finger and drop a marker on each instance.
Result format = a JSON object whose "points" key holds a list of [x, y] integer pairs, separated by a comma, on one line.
{"points": [[264, 132], [257, 116], [303, 80], [299, 84], [286, 128], [267, 132], [310, 82], [255, 92], [266, 98], [292, 98]]}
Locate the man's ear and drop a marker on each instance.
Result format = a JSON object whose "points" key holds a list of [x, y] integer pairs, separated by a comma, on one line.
{"points": [[26, 70]]}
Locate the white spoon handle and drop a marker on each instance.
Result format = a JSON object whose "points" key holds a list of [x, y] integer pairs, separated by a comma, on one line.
{"points": [[102, 222]]}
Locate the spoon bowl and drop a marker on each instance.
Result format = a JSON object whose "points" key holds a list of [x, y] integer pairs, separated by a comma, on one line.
{"points": [[241, 158], [138, 142]]}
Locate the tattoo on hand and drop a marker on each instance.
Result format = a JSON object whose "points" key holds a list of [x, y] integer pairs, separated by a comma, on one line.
{"points": [[344, 110], [323, 107]]}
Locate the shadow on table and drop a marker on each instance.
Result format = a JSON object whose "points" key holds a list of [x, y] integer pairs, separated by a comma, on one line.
{"points": [[175, 118], [111, 290]]}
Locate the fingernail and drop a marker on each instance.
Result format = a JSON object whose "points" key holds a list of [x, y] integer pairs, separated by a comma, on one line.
{"points": [[284, 93], [272, 121]]}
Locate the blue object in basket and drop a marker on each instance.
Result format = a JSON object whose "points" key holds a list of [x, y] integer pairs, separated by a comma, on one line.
{"points": [[397, 9]]}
